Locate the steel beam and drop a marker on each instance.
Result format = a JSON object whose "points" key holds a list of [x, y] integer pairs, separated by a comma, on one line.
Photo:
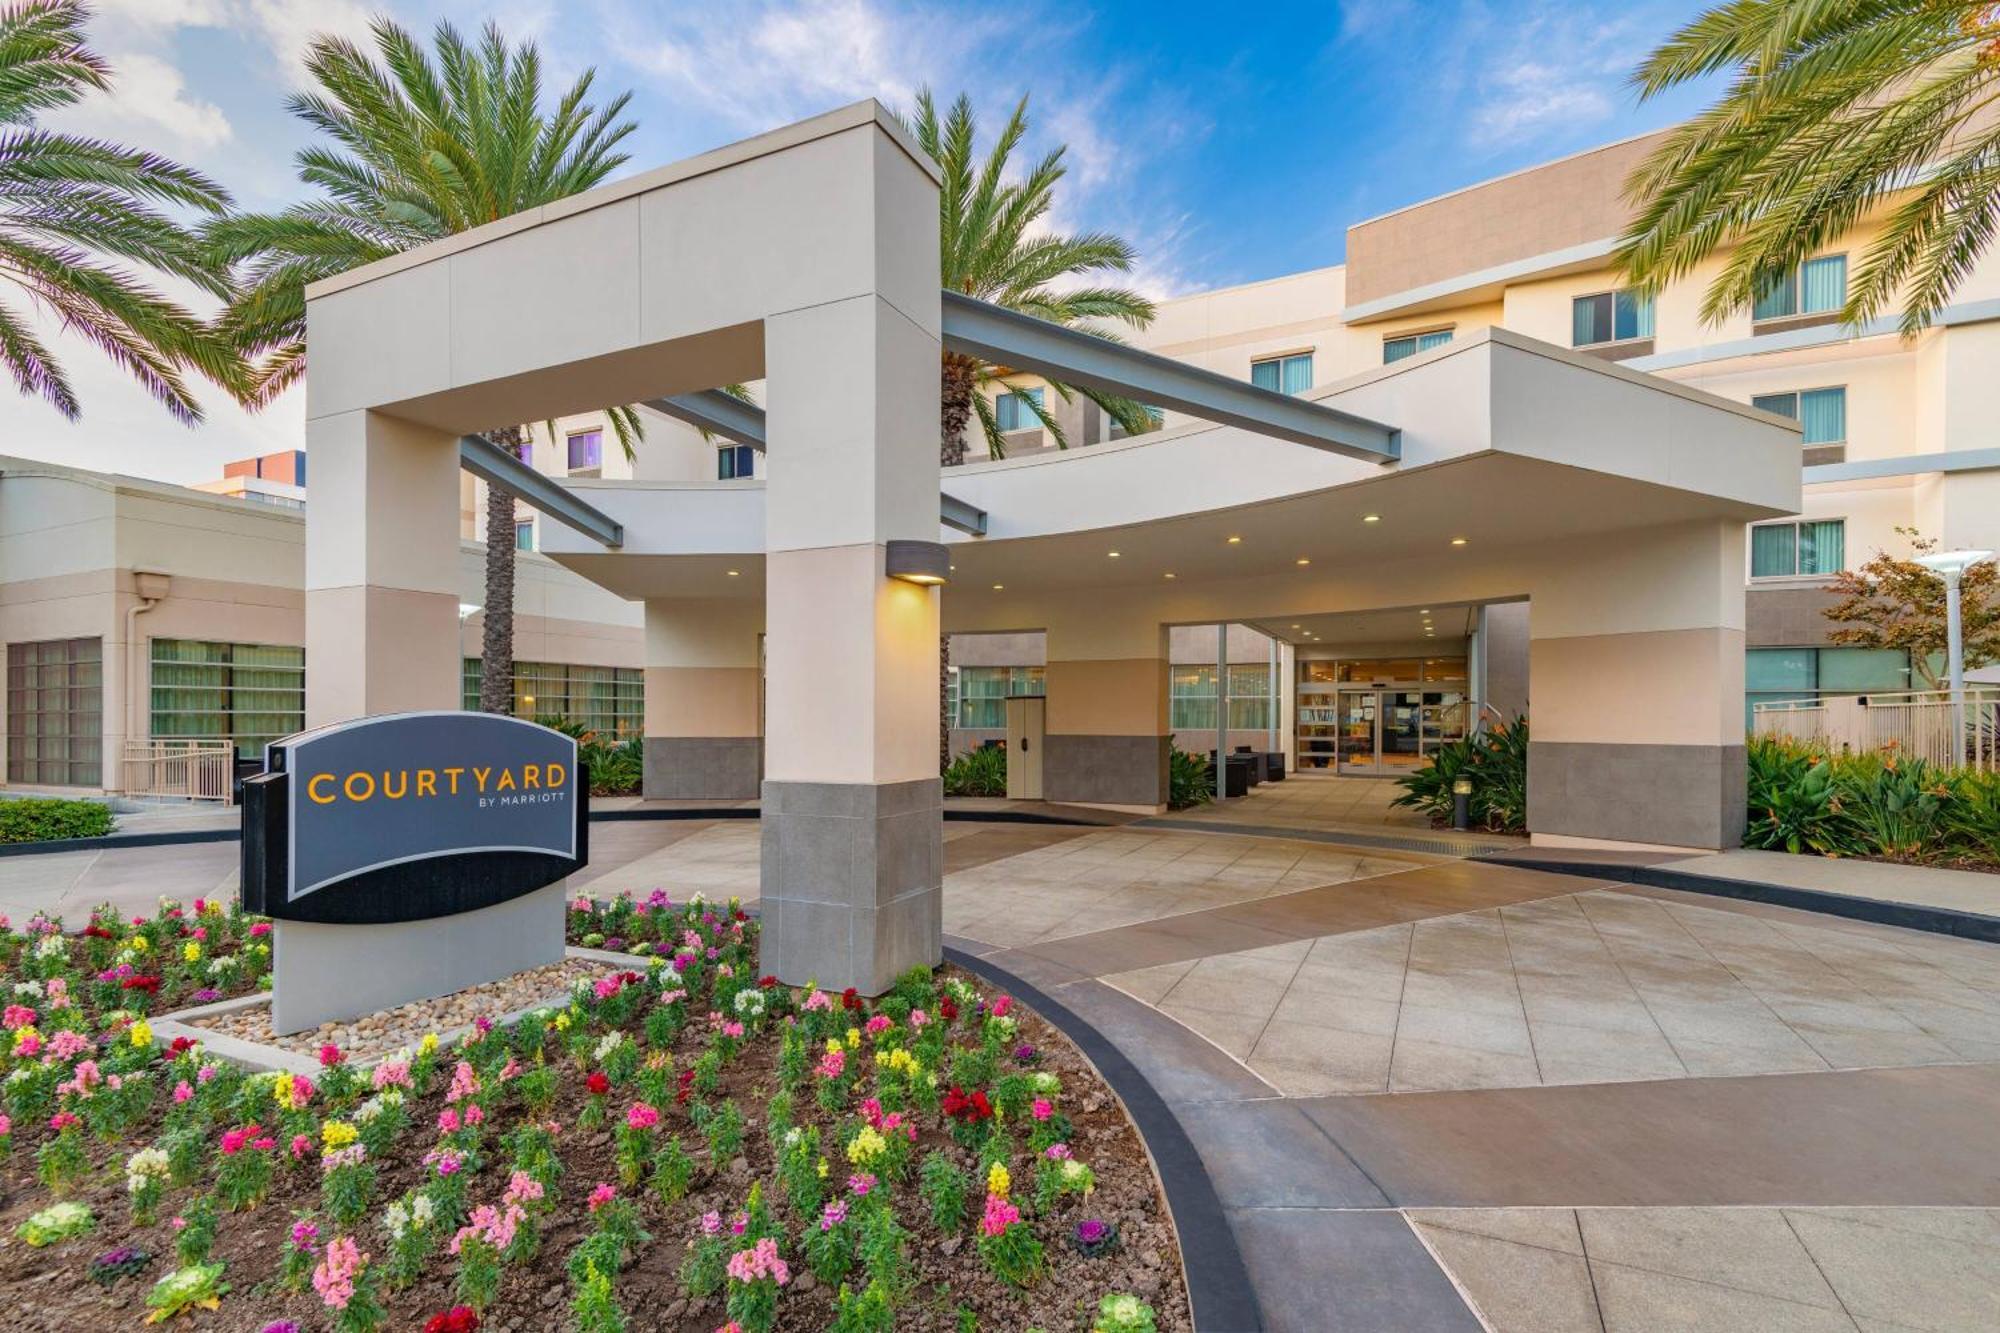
{"points": [[1908, 465], [1021, 342], [496, 467], [717, 413], [957, 513]]}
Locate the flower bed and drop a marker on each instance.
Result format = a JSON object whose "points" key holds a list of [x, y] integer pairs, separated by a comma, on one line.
{"points": [[688, 1147]]}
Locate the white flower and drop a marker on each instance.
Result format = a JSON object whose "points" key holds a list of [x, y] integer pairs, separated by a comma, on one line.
{"points": [[607, 1046], [33, 988], [51, 946], [1045, 1082], [750, 1003], [793, 1136], [422, 1211], [145, 1165], [396, 1219]]}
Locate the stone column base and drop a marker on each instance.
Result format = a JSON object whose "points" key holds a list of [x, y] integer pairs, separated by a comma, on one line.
{"points": [[703, 768], [1663, 795], [852, 881], [1106, 770]]}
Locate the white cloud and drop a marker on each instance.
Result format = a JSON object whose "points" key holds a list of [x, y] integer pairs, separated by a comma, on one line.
{"points": [[284, 26], [148, 103], [1554, 73]]}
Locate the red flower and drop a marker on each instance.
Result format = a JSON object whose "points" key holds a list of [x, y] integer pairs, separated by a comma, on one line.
{"points": [[97, 932], [850, 998], [458, 1319], [947, 1008], [742, 915], [969, 1108], [329, 1056], [686, 1087], [182, 1044], [597, 1082], [150, 985], [767, 981]]}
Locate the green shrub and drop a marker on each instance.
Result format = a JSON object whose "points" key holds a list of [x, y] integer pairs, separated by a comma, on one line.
{"points": [[1190, 780], [34, 819], [617, 767], [981, 772], [1495, 760], [1803, 798], [1794, 801], [1898, 807]]}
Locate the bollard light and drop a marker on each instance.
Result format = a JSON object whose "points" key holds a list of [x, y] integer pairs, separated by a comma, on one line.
{"points": [[1461, 803]]}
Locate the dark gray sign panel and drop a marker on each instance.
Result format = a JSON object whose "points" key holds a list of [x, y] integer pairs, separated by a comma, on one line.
{"points": [[411, 815]]}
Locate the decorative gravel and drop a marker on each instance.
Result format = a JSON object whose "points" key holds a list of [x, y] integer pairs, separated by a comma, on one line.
{"points": [[378, 1034]]}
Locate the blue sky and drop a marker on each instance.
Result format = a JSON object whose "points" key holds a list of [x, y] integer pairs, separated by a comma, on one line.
{"points": [[1227, 142]]}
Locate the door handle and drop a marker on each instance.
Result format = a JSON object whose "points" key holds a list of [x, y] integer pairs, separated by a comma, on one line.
{"points": [[1024, 745]]}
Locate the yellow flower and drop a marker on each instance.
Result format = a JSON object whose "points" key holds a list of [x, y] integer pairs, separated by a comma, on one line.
{"points": [[139, 942], [142, 1034], [281, 1090], [998, 1181], [562, 1021], [429, 1044], [337, 1134], [853, 1038], [191, 951], [866, 1147], [833, 1047], [23, 1035], [822, 1168]]}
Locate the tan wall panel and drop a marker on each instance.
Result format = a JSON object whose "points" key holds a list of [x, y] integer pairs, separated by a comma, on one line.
{"points": [[702, 701], [1673, 687], [366, 652], [1115, 697]]}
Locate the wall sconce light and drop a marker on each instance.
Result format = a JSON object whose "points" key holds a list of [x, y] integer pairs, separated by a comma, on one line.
{"points": [[926, 564]]}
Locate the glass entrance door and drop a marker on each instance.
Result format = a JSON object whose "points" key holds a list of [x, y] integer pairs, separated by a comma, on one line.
{"points": [[1401, 748], [1356, 740]]}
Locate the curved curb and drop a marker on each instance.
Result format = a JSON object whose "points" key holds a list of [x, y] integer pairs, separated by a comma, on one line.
{"points": [[1879, 911], [1218, 1283]]}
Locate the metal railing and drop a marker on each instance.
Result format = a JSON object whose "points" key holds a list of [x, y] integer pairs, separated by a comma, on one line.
{"points": [[1924, 724], [187, 770]]}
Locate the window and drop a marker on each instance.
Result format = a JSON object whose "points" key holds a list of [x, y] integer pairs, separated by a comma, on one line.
{"points": [[1409, 344], [1817, 287], [735, 460], [249, 693], [1821, 413], [524, 536], [1013, 412], [586, 450], [1797, 549], [983, 693], [1610, 317], [611, 700], [1284, 374], [1191, 697], [525, 451], [55, 713], [1804, 675]]}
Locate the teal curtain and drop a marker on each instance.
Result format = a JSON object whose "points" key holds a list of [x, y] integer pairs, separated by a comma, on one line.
{"points": [[1823, 414], [1773, 550], [1825, 284], [1426, 341], [1634, 315], [1298, 373], [1778, 300], [1265, 374], [1784, 404], [1583, 321], [1822, 547]]}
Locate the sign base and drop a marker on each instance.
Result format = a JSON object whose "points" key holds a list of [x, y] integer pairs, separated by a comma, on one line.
{"points": [[327, 973]]}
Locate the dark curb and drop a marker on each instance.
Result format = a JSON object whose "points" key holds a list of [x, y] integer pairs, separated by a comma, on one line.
{"points": [[1218, 1283], [1910, 916]]}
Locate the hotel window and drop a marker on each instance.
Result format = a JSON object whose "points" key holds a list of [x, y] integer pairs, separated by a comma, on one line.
{"points": [[55, 713], [1016, 410], [524, 536], [733, 461], [525, 451], [1610, 317], [1284, 374], [248, 693], [983, 693], [1409, 344], [1816, 287], [1191, 697], [611, 700], [1821, 413], [1798, 549], [1805, 675], [586, 450]]}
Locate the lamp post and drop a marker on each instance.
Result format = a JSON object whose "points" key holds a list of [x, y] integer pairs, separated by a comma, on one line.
{"points": [[1951, 566]]}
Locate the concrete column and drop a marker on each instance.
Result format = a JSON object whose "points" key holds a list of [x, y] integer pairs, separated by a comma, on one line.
{"points": [[1108, 740], [1636, 681], [704, 687], [852, 806], [381, 568]]}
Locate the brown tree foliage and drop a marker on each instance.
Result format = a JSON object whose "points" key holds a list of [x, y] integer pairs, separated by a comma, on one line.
{"points": [[1891, 602]]}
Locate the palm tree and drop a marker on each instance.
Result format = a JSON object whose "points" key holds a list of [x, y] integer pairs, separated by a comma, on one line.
{"points": [[67, 202], [991, 247], [1836, 109], [421, 148]]}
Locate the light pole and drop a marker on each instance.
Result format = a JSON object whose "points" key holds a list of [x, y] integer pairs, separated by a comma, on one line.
{"points": [[1951, 566]]}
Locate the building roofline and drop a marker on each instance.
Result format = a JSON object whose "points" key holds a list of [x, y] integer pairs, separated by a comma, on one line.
{"points": [[1510, 175]]}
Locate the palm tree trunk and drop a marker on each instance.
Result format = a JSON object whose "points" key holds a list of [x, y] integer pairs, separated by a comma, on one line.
{"points": [[496, 648], [955, 390], [944, 702]]}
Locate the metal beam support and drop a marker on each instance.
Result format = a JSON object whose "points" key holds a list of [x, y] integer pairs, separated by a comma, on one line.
{"points": [[957, 513], [1022, 342], [717, 413], [1908, 465], [496, 467]]}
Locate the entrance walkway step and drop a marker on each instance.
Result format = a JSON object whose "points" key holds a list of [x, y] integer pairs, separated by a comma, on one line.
{"points": [[1438, 842]]}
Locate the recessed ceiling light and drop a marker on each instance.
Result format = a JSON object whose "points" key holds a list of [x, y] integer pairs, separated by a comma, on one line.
{"points": [[1371, 518], [1423, 611], [1235, 541], [1295, 627], [1112, 554], [998, 586], [732, 573], [954, 569], [1302, 561], [1458, 541], [1170, 573]]}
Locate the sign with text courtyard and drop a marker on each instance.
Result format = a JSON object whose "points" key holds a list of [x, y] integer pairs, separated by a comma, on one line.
{"points": [[409, 816]]}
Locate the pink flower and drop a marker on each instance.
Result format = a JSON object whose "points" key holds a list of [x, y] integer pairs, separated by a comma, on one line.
{"points": [[464, 1083], [918, 1018], [206, 1073], [999, 1215], [6, 1125], [833, 1064], [833, 1215], [711, 1224], [1002, 1005], [641, 1116], [17, 1017], [758, 1263], [305, 1236], [29, 1045], [448, 1120], [819, 999], [861, 1184], [333, 1276], [1056, 1152], [879, 1023], [182, 1092], [1042, 1109], [522, 1188], [301, 1145], [330, 1055], [602, 1195], [392, 1074], [260, 929]]}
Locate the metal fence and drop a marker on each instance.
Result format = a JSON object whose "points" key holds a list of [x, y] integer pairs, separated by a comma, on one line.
{"points": [[1924, 724], [188, 770]]}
